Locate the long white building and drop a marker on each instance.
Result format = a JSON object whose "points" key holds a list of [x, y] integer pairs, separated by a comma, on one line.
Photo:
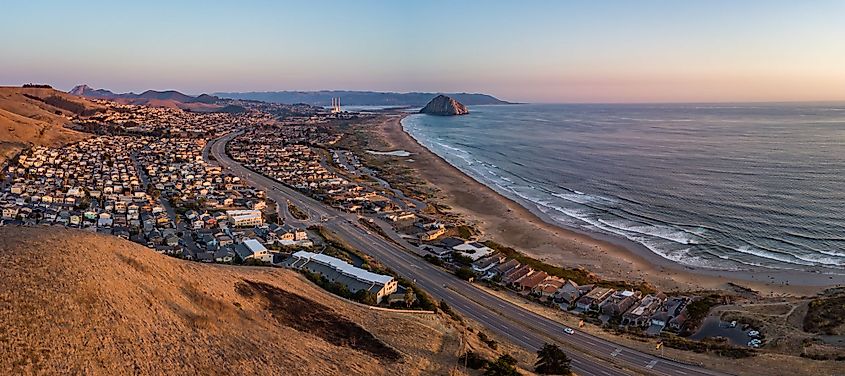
{"points": [[337, 270]]}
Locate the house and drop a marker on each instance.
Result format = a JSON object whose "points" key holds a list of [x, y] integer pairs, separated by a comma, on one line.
{"points": [[619, 302], [503, 268], [245, 218], [482, 266], [171, 240], [593, 298], [640, 314], [432, 234], [671, 308], [514, 275], [242, 252], [450, 242], [548, 288], [677, 323], [337, 270], [9, 212], [441, 253], [259, 252], [473, 250], [225, 255], [657, 323], [567, 294], [404, 216], [527, 283]]}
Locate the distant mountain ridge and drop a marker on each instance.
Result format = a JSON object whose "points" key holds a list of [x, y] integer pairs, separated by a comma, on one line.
{"points": [[359, 98], [166, 98], [87, 91]]}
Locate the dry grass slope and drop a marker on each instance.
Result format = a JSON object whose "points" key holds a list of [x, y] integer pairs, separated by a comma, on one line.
{"points": [[75, 302], [37, 116]]}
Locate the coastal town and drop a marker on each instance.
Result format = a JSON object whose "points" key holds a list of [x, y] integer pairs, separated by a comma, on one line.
{"points": [[147, 176]]}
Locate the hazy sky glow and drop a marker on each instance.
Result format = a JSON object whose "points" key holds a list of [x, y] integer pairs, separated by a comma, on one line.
{"points": [[543, 51]]}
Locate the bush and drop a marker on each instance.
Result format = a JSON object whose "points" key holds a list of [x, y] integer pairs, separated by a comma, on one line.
{"points": [[825, 315], [448, 310], [491, 343], [433, 260], [424, 301], [721, 349], [697, 310], [505, 365], [296, 212], [465, 232], [472, 360]]}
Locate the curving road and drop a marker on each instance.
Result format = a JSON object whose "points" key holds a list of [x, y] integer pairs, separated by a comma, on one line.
{"points": [[590, 355]]}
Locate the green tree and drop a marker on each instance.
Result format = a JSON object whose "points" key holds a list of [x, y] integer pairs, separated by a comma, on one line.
{"points": [[505, 365], [551, 360], [365, 297], [409, 297], [465, 273], [461, 259]]}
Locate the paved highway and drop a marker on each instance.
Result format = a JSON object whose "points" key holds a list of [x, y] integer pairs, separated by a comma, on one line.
{"points": [[591, 355]]}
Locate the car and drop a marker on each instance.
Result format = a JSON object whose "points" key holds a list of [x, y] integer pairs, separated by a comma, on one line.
{"points": [[569, 331], [753, 333]]}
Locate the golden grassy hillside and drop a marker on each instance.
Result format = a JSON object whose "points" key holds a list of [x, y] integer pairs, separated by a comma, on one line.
{"points": [[80, 303], [37, 116]]}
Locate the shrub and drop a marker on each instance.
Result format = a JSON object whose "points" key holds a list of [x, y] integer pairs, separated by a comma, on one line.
{"points": [[505, 365]]}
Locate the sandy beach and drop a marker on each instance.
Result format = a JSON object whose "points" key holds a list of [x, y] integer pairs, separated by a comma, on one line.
{"points": [[510, 223]]}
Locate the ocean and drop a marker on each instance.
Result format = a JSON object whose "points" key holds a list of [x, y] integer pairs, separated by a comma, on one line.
{"points": [[719, 186]]}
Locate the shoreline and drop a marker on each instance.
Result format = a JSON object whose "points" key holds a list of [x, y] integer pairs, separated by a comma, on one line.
{"points": [[525, 228]]}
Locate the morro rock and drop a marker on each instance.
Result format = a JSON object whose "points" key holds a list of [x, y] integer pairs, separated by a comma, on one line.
{"points": [[442, 105]]}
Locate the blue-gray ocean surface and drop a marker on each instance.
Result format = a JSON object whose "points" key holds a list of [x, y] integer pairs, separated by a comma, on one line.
{"points": [[719, 186]]}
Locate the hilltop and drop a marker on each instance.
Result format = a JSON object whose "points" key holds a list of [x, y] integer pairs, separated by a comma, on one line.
{"points": [[442, 105], [154, 98], [359, 98], [77, 302], [38, 115]]}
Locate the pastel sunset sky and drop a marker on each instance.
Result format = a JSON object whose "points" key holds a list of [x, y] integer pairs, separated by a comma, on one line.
{"points": [[538, 51]]}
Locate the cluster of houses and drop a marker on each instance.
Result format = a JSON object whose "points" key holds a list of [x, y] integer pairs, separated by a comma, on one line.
{"points": [[288, 155], [140, 120], [220, 214], [653, 312], [158, 192], [226, 243], [175, 167], [93, 184]]}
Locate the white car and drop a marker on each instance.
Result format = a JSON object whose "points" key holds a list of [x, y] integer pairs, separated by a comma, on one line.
{"points": [[753, 333], [568, 331]]}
